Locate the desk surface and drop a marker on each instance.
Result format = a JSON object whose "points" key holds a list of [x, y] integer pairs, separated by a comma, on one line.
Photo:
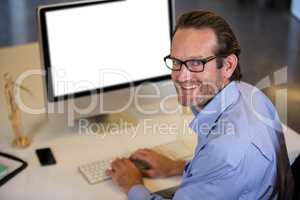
{"points": [[63, 180], [71, 149]]}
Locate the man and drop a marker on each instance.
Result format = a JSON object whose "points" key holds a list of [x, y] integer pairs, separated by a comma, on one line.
{"points": [[241, 152]]}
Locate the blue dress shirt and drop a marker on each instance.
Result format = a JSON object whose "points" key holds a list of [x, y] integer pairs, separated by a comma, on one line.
{"points": [[241, 151]]}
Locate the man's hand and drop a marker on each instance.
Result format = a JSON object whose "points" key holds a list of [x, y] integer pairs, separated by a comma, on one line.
{"points": [[161, 166], [125, 174]]}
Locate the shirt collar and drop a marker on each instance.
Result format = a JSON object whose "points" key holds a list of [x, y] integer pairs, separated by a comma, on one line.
{"points": [[206, 119]]}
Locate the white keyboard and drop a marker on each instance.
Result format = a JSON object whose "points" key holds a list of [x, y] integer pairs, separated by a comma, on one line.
{"points": [[94, 172]]}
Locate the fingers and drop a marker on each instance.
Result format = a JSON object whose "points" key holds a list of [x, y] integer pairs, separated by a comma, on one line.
{"points": [[142, 155], [116, 164], [144, 151], [121, 164], [137, 155], [128, 163], [139, 152], [149, 173], [149, 162]]}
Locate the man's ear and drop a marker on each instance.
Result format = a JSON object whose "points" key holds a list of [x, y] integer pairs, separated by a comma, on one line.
{"points": [[229, 65]]}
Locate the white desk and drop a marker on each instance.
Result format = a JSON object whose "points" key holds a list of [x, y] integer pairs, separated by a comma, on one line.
{"points": [[63, 180]]}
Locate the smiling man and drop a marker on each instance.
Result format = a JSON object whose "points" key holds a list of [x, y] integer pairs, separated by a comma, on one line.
{"points": [[241, 152]]}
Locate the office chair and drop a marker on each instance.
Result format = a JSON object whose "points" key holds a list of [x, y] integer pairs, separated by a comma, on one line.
{"points": [[296, 174]]}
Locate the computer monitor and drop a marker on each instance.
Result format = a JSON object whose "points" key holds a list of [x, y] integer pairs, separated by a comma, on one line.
{"points": [[102, 48]]}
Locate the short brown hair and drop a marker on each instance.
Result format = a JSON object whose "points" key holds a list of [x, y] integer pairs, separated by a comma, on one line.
{"points": [[227, 41]]}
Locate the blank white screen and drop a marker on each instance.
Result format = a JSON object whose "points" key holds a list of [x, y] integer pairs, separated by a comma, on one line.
{"points": [[107, 44]]}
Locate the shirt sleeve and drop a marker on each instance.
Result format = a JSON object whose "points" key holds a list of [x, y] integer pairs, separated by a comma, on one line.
{"points": [[216, 173], [222, 187], [140, 192]]}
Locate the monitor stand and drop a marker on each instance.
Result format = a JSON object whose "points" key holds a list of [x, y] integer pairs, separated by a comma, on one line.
{"points": [[106, 123]]}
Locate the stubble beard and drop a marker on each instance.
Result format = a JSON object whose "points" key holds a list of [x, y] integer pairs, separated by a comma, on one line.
{"points": [[201, 96]]}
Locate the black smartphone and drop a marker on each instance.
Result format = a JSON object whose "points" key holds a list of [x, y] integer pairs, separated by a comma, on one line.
{"points": [[45, 156]]}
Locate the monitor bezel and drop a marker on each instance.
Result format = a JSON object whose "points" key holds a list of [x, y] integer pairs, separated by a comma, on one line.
{"points": [[45, 54]]}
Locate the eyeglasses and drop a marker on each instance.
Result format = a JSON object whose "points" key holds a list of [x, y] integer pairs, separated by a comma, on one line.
{"points": [[193, 65]]}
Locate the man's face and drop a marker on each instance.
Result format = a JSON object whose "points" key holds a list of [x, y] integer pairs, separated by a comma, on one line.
{"points": [[196, 88]]}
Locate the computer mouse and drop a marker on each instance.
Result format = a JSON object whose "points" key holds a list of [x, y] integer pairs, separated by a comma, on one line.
{"points": [[141, 164]]}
